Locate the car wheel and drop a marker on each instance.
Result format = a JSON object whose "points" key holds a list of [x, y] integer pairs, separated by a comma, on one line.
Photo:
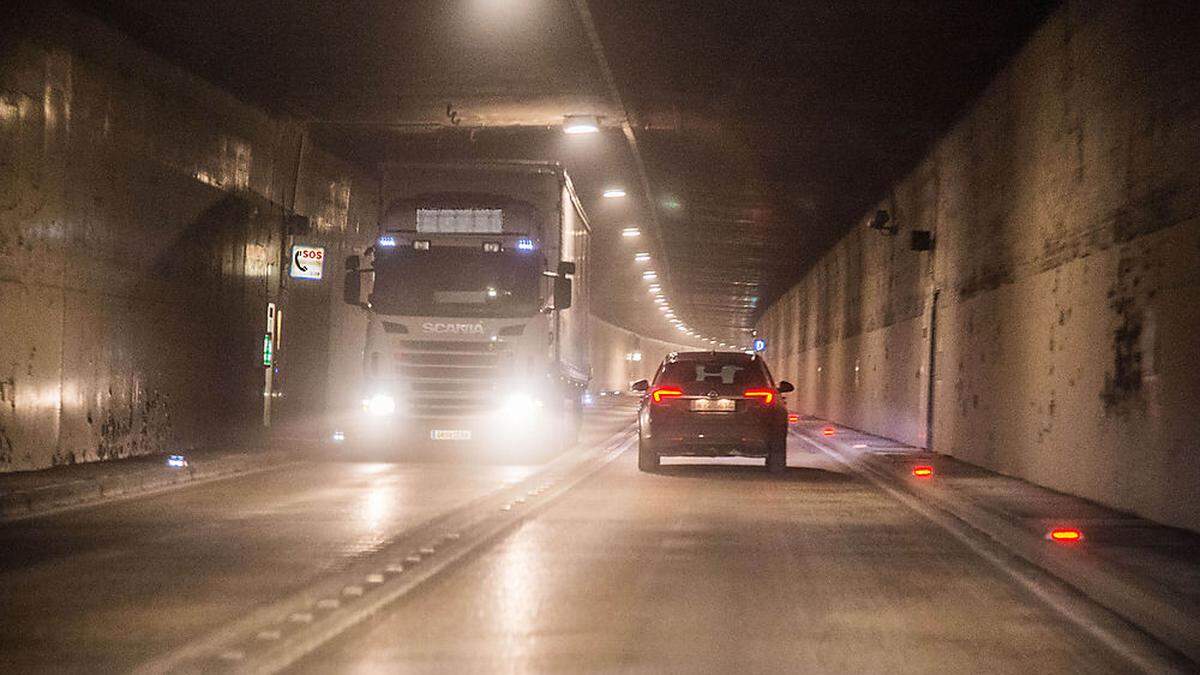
{"points": [[777, 458], [647, 458]]}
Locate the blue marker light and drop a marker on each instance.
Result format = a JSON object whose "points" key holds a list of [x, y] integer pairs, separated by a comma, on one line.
{"points": [[387, 240], [176, 461], [524, 244], [759, 344]]}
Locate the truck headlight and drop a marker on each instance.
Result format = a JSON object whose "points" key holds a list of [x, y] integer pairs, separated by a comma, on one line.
{"points": [[380, 405], [521, 406]]}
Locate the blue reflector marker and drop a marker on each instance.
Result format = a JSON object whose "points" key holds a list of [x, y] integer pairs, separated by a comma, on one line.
{"points": [[524, 244], [387, 240], [759, 344]]}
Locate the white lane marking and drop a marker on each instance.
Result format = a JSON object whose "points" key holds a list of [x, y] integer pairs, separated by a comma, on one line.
{"points": [[328, 603], [301, 617], [413, 559], [1076, 609], [352, 591], [268, 635], [374, 578], [427, 551], [394, 568], [233, 655]]}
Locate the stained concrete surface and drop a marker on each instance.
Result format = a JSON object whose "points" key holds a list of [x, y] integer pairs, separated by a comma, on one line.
{"points": [[1051, 332]]}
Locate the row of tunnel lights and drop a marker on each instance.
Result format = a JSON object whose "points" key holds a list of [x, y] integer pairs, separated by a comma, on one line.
{"points": [[590, 124], [655, 288]]}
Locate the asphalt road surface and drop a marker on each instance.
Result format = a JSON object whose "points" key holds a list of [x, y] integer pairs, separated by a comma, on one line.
{"points": [[714, 566]]}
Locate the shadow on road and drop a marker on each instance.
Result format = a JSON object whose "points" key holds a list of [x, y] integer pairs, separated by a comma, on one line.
{"points": [[793, 474]]}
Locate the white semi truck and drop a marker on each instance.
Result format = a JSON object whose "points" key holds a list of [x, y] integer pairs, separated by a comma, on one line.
{"points": [[476, 291]]}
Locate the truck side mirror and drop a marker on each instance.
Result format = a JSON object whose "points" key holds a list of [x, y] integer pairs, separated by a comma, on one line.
{"points": [[562, 292], [785, 387], [640, 385], [352, 288]]}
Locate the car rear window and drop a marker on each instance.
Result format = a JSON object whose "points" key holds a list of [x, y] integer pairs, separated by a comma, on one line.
{"points": [[746, 374]]}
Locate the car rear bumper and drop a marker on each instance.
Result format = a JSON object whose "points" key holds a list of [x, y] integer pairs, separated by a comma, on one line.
{"points": [[692, 438]]}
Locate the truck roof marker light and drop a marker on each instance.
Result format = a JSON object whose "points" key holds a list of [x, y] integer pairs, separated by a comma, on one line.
{"points": [[660, 393], [524, 244], [614, 193], [922, 471], [387, 241], [764, 396], [631, 232], [828, 431], [421, 245], [1066, 535], [793, 418]]}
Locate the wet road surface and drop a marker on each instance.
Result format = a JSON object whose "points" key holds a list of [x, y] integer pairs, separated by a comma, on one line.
{"points": [[708, 566]]}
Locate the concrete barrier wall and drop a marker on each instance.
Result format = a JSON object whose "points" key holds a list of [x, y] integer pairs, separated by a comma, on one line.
{"points": [[1061, 303], [142, 232], [612, 347]]}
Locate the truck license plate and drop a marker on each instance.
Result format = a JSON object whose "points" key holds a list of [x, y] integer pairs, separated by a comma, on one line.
{"points": [[714, 405], [450, 434]]}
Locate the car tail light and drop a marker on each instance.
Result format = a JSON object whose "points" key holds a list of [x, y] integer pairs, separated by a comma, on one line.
{"points": [[828, 431], [766, 396], [658, 394], [793, 418], [922, 471]]}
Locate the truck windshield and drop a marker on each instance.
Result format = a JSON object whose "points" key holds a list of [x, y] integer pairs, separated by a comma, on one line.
{"points": [[456, 281]]}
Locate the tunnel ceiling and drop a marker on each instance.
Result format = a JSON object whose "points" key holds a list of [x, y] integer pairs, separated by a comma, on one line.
{"points": [[748, 135]]}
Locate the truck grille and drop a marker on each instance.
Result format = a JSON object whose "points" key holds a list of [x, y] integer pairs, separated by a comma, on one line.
{"points": [[451, 379]]}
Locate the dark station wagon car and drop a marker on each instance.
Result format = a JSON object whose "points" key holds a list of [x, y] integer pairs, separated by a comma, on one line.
{"points": [[712, 404]]}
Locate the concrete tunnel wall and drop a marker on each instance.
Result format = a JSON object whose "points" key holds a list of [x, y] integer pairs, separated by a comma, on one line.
{"points": [[1065, 276], [143, 229]]}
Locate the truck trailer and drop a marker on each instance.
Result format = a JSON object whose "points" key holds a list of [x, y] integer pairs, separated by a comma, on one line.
{"points": [[476, 295]]}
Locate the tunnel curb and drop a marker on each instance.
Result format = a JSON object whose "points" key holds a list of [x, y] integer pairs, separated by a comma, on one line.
{"points": [[137, 479], [1128, 596]]}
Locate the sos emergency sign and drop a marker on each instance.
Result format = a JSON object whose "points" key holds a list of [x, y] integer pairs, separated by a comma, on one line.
{"points": [[307, 262]]}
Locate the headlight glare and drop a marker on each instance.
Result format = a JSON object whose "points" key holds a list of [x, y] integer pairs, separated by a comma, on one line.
{"points": [[380, 405]]}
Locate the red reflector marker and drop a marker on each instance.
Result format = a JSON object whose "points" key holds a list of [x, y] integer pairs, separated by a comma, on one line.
{"points": [[1064, 534], [922, 471], [793, 418], [828, 431]]}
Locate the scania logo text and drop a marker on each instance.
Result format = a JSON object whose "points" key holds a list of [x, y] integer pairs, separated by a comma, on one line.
{"points": [[457, 328]]}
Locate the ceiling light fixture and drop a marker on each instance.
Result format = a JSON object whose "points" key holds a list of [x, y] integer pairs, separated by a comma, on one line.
{"points": [[649, 275], [642, 257], [614, 193], [581, 124], [631, 232]]}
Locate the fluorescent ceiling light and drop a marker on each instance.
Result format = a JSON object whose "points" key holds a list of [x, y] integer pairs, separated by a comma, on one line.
{"points": [[642, 257], [581, 124], [631, 232], [655, 289], [613, 193], [649, 275]]}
